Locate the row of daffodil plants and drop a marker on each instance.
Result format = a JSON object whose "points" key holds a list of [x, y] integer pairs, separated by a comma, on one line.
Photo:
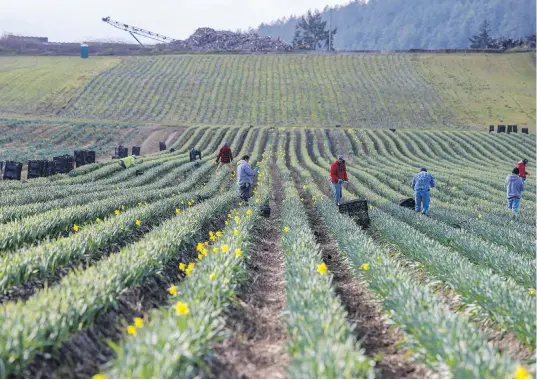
{"points": [[28, 229], [48, 317], [100, 180], [174, 341], [85, 241], [489, 294], [171, 174], [433, 333], [321, 342], [492, 228]]}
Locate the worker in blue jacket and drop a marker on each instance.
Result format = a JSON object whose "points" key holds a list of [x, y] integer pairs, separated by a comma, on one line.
{"points": [[421, 184]]}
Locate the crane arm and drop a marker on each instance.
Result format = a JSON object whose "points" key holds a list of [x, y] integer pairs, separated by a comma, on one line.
{"points": [[139, 31]]}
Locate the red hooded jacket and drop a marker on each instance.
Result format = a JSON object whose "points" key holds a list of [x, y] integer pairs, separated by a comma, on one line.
{"points": [[522, 169], [336, 173], [225, 155]]}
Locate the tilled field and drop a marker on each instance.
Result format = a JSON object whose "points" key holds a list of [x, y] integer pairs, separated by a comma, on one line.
{"points": [[168, 275]]}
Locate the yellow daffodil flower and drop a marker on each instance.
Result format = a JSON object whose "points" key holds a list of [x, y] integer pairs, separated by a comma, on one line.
{"points": [[182, 266], [322, 269], [172, 290], [212, 276], [181, 309], [522, 373], [75, 228], [238, 252], [138, 222], [364, 267], [131, 330], [286, 229], [225, 248], [138, 322]]}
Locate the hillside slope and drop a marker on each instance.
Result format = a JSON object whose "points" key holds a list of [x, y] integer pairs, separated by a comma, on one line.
{"points": [[357, 90]]}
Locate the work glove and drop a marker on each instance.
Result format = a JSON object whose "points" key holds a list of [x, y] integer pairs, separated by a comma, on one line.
{"points": [[256, 170], [339, 180]]}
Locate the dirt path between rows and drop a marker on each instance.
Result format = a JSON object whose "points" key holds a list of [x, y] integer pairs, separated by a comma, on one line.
{"points": [[376, 337], [255, 347]]}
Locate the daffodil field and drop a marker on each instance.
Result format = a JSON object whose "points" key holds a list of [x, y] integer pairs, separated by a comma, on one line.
{"points": [[108, 274]]}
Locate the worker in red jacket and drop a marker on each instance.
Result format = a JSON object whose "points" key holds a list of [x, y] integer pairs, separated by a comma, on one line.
{"points": [[225, 157], [522, 173], [338, 175]]}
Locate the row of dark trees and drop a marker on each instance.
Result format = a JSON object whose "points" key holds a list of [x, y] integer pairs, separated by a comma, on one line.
{"points": [[484, 40]]}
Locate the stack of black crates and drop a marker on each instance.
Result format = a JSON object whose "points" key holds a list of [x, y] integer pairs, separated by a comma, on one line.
{"points": [[84, 157], [12, 170], [120, 152], [64, 164], [41, 168]]}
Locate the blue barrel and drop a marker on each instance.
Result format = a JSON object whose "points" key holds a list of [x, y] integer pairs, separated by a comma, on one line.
{"points": [[84, 51]]}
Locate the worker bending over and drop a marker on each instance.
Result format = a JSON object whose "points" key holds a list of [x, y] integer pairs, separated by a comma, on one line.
{"points": [[225, 157], [338, 176], [194, 153], [522, 169], [245, 178]]}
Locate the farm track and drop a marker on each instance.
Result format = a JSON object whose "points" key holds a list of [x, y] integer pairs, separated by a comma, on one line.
{"points": [[255, 345]]}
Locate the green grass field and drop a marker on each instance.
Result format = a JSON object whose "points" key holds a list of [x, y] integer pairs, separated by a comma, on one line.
{"points": [[357, 90]]}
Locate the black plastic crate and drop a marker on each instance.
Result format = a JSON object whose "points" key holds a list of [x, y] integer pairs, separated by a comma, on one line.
{"points": [[501, 128], [36, 169], [90, 157], [408, 203], [162, 146], [358, 211], [12, 170], [525, 130], [64, 164], [121, 151], [136, 150], [491, 128], [80, 158]]}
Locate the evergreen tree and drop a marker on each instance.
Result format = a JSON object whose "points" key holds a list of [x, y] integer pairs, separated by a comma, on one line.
{"points": [[482, 40], [311, 32]]}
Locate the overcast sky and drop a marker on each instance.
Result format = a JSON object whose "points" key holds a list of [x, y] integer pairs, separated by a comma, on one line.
{"points": [[77, 20]]}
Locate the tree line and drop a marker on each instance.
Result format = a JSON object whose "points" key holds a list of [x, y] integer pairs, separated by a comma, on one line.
{"points": [[410, 24]]}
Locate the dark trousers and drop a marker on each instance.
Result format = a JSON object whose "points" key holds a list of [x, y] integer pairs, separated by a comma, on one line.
{"points": [[244, 190]]}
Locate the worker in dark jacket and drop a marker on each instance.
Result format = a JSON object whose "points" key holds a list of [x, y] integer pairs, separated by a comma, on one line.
{"points": [[225, 157], [338, 176], [421, 184], [194, 153], [515, 186], [522, 169]]}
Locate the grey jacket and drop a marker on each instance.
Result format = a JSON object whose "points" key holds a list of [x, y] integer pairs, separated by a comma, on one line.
{"points": [[245, 174], [514, 185]]}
